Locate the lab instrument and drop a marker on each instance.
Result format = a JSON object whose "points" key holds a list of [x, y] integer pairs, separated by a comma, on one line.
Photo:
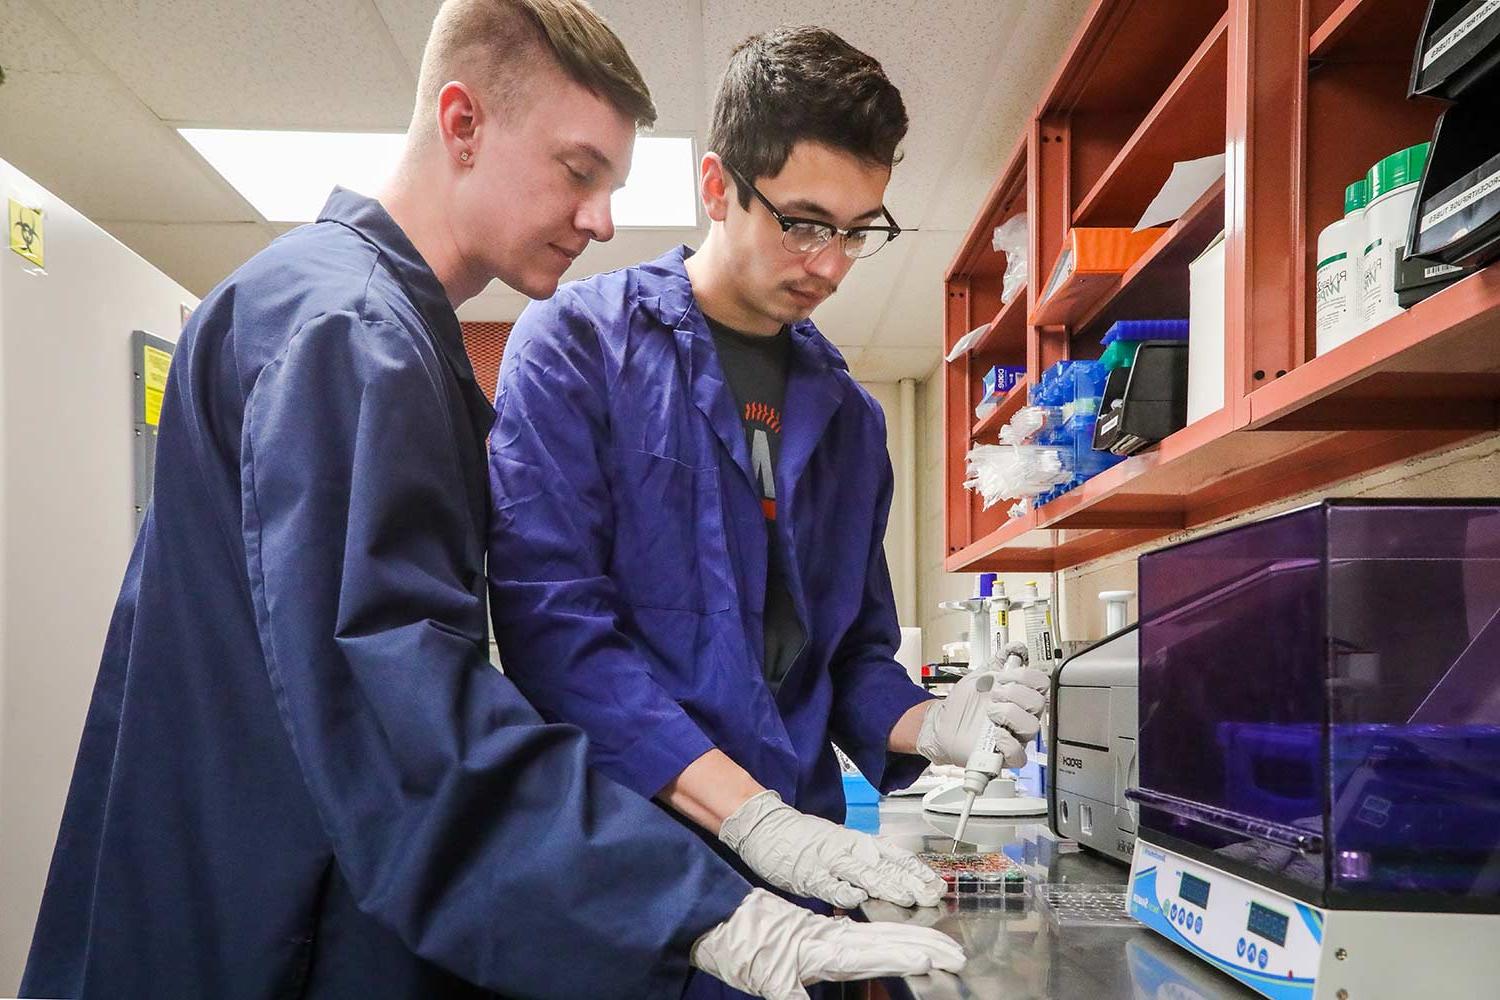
{"points": [[1092, 746], [1319, 749], [986, 762]]}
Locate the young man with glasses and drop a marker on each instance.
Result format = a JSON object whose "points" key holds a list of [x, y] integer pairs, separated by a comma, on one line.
{"points": [[690, 495]]}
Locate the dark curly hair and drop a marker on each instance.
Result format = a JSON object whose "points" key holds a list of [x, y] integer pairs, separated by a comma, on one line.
{"points": [[803, 84]]}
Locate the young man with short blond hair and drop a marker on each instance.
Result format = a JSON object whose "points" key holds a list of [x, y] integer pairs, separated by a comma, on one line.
{"points": [[300, 776]]}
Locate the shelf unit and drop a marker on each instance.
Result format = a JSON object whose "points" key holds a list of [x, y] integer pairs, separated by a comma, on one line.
{"points": [[1302, 98], [990, 426], [1185, 123]]}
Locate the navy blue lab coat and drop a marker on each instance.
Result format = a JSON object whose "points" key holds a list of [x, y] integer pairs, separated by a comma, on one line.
{"points": [[300, 776]]}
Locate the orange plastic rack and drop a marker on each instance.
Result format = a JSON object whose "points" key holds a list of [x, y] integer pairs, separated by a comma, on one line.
{"points": [[1093, 262], [1301, 98]]}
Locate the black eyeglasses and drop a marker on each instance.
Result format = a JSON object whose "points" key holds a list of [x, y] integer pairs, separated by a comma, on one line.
{"points": [[807, 236]]}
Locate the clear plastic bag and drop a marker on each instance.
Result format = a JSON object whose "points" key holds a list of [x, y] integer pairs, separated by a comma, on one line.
{"points": [[998, 472], [1013, 238]]}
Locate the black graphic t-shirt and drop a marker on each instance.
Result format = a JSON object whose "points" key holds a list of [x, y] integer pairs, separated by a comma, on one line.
{"points": [[756, 368]]}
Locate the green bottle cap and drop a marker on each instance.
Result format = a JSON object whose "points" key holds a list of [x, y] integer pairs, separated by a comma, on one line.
{"points": [[1398, 170], [1356, 196]]}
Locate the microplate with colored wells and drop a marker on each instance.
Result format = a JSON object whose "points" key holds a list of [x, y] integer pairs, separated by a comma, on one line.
{"points": [[976, 874]]}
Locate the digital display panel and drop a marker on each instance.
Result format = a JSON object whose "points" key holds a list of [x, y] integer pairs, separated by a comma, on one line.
{"points": [[1268, 924], [1194, 890]]}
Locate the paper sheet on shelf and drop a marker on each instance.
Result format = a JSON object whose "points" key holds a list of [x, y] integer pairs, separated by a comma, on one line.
{"points": [[964, 342], [1189, 179]]}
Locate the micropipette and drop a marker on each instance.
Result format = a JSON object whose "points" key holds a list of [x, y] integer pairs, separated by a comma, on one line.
{"points": [[985, 762]]}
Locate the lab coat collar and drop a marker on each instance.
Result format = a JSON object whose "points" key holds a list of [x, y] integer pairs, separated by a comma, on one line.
{"points": [[674, 306], [369, 219], [814, 388]]}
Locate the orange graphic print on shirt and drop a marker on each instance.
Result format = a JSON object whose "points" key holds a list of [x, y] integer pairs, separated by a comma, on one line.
{"points": [[762, 421]]}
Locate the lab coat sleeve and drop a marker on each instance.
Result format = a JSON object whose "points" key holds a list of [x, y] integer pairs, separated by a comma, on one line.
{"points": [[871, 691], [557, 612], [461, 820]]}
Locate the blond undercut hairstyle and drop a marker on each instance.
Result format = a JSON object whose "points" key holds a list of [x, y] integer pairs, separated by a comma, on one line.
{"points": [[496, 45]]}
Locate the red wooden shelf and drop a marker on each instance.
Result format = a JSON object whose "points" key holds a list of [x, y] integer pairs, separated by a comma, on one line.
{"points": [[1383, 27], [1127, 52], [1201, 474], [1007, 331], [1435, 366], [1186, 123], [1000, 415], [1304, 98], [1156, 286]]}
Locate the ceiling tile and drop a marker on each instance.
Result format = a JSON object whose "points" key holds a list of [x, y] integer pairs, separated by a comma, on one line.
{"points": [[105, 155], [196, 255], [409, 22], [29, 42], [889, 364], [496, 304], [1000, 110], [309, 64], [96, 75], [851, 356], [630, 246]]}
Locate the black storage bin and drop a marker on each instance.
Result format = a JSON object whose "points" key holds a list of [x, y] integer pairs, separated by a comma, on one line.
{"points": [[1418, 278], [1457, 215], [1458, 50], [1152, 397]]}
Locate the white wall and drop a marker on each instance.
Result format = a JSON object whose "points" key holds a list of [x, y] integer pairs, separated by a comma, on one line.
{"points": [[888, 395], [934, 584], [1470, 470], [66, 518], [5, 975]]}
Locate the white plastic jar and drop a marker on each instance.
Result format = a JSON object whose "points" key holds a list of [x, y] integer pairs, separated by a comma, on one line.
{"points": [[1393, 192], [1340, 313]]}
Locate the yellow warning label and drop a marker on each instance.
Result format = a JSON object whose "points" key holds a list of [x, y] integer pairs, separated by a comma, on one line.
{"points": [[157, 363], [25, 232]]}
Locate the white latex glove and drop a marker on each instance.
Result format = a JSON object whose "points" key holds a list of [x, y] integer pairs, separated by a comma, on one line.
{"points": [[809, 856], [1012, 699], [771, 948]]}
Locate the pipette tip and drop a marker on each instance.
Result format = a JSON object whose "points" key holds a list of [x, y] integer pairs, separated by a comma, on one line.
{"points": [[963, 821]]}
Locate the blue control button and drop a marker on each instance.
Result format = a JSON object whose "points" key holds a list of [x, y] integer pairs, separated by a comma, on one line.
{"points": [[1174, 913], [1197, 925], [1250, 954], [1263, 958], [1239, 948]]}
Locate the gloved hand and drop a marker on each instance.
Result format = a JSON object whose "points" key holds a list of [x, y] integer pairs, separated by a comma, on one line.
{"points": [[1013, 699], [771, 948], [809, 856]]}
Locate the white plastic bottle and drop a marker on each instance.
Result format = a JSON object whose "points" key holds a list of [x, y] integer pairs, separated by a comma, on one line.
{"points": [[1000, 627], [1041, 642], [1340, 315], [1393, 192], [1116, 609]]}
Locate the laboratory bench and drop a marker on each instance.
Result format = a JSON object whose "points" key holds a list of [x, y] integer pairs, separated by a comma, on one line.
{"points": [[1018, 947]]}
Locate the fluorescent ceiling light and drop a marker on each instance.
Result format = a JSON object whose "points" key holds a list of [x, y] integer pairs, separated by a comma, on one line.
{"points": [[286, 176], [661, 190]]}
